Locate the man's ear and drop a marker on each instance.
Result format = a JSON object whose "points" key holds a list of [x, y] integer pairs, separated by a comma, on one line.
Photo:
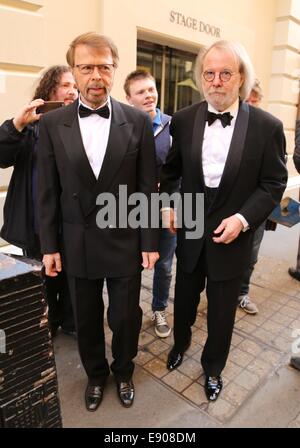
{"points": [[128, 100], [242, 79]]}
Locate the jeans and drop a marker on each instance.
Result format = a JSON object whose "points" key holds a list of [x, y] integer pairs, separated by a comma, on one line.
{"points": [[257, 239], [163, 270]]}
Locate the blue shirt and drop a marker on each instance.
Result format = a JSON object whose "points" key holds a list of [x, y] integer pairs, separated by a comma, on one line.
{"points": [[156, 123]]}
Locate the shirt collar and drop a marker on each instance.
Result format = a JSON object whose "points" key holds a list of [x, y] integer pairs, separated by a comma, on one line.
{"points": [[108, 102], [157, 119], [233, 109]]}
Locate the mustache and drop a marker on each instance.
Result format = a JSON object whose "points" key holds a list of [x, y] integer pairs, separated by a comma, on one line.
{"points": [[98, 86], [216, 91]]}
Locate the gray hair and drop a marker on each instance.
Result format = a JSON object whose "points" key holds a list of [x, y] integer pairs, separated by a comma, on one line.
{"points": [[245, 65]]}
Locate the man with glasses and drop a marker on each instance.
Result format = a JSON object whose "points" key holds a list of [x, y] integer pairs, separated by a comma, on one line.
{"points": [[233, 154], [87, 149]]}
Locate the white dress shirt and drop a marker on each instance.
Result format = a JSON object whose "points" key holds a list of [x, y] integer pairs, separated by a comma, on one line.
{"points": [[216, 144], [95, 132]]}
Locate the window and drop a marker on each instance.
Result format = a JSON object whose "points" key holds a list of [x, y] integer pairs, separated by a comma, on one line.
{"points": [[174, 73]]}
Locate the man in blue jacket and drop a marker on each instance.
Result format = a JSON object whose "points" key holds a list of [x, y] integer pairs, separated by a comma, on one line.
{"points": [[141, 92]]}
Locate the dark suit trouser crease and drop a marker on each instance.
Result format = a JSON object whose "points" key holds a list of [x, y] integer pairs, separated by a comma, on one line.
{"points": [[124, 317], [222, 298]]}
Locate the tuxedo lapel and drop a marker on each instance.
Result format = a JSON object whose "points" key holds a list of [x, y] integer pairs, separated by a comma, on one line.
{"points": [[234, 157], [70, 134], [197, 142]]}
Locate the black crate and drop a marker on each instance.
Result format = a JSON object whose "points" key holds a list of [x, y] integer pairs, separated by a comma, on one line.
{"points": [[36, 409], [28, 381]]}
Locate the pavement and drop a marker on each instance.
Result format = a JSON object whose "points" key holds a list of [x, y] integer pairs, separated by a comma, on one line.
{"points": [[260, 389]]}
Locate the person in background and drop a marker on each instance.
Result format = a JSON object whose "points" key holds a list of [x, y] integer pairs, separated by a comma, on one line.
{"points": [[244, 301], [141, 92], [295, 271], [18, 144]]}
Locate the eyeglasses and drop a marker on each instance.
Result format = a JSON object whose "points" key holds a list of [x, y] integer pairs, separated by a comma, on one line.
{"points": [[224, 76], [88, 69]]}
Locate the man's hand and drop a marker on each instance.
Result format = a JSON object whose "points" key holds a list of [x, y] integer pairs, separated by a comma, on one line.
{"points": [[149, 259], [168, 217], [52, 263], [27, 115], [229, 228]]}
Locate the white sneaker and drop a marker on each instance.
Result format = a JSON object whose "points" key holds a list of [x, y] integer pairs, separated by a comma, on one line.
{"points": [[162, 328], [246, 304]]}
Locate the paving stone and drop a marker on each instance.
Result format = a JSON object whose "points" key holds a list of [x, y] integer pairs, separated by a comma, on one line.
{"points": [[255, 319], [247, 380], [145, 306], [191, 368], [264, 335], [200, 337], [143, 357], [294, 304], [158, 347], [250, 347], [259, 367], [193, 348], [232, 370], [145, 338], [280, 318], [156, 367], [236, 339], [295, 423], [283, 344], [280, 298], [245, 326], [177, 380], [196, 394], [239, 357], [266, 313], [164, 356], [221, 409], [273, 327], [291, 312], [295, 324], [235, 394], [270, 357]]}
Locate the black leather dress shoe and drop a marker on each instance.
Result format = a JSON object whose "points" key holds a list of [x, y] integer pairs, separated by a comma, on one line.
{"points": [[93, 396], [294, 273], [175, 358], [126, 392], [213, 386]]}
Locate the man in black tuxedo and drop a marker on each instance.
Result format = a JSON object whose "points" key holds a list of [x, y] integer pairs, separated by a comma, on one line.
{"points": [[233, 154], [89, 148]]}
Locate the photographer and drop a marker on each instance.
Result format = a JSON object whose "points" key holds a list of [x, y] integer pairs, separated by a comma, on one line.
{"points": [[18, 143]]}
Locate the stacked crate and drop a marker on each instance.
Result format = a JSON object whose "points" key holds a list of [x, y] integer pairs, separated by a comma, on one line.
{"points": [[28, 381]]}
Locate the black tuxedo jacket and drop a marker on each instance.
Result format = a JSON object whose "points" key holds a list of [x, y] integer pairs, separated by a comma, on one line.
{"points": [[252, 183], [67, 191]]}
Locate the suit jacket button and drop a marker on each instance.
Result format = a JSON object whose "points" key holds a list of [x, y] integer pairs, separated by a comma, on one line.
{"points": [[86, 225], [75, 195]]}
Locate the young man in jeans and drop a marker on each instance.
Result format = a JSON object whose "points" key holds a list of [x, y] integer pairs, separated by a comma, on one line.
{"points": [[141, 92], [244, 301]]}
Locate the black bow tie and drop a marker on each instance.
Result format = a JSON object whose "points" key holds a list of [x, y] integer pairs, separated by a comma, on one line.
{"points": [[224, 118], [102, 112]]}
